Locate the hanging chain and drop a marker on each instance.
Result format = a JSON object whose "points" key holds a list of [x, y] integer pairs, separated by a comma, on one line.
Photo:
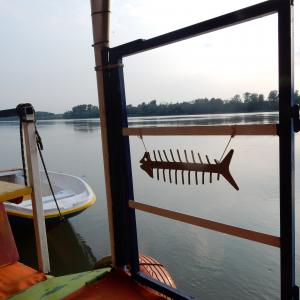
{"points": [[142, 139], [231, 137]]}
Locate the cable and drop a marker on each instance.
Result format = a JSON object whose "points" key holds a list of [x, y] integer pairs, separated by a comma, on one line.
{"points": [[141, 137], [231, 137], [226, 148], [40, 148]]}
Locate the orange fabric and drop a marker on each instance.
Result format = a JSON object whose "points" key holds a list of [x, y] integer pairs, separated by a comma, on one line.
{"points": [[116, 285], [17, 277], [8, 250]]}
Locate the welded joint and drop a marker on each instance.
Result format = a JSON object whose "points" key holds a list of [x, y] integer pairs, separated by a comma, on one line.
{"points": [[104, 42], [108, 67], [100, 12]]}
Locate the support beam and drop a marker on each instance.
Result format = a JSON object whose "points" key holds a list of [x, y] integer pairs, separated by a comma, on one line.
{"points": [[100, 12], [289, 290], [234, 18], [255, 129], [36, 196], [125, 236], [211, 225]]}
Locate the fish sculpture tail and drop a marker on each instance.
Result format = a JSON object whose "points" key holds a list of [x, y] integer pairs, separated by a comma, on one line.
{"points": [[226, 173]]}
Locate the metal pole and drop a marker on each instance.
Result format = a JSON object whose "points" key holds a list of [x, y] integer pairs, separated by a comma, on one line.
{"points": [[36, 196], [100, 10], [289, 291], [120, 164]]}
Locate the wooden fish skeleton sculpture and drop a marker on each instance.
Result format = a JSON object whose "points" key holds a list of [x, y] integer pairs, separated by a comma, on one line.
{"points": [[220, 168]]}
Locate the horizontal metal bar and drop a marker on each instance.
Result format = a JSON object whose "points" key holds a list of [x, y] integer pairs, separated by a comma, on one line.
{"points": [[255, 129], [162, 288], [8, 113], [211, 225], [243, 15]]}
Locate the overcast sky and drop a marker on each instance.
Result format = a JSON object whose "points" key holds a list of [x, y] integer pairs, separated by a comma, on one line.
{"points": [[46, 56]]}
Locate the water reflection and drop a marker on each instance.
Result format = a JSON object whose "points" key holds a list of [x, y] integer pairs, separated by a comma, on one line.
{"points": [[68, 251], [9, 124], [243, 270], [84, 125], [90, 125], [213, 119]]}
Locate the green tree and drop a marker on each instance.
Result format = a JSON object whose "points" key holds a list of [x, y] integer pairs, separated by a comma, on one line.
{"points": [[82, 111]]}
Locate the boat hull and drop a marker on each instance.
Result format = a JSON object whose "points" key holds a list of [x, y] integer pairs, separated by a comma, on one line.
{"points": [[73, 196], [19, 220]]}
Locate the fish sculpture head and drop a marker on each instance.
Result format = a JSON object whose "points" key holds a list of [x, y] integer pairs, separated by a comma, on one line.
{"points": [[146, 164]]}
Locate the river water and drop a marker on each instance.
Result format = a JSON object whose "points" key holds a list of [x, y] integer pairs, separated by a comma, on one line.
{"points": [[207, 264]]}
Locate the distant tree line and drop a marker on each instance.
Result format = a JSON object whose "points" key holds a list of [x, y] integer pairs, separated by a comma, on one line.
{"points": [[249, 102], [82, 111], [44, 115]]}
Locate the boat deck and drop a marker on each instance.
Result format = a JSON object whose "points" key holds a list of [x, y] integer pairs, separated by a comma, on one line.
{"points": [[97, 285], [115, 285]]}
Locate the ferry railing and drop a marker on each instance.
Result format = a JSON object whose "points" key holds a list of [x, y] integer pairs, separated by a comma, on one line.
{"points": [[116, 123], [26, 115]]}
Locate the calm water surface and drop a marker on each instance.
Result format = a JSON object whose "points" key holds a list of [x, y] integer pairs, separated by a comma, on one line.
{"points": [[207, 264]]}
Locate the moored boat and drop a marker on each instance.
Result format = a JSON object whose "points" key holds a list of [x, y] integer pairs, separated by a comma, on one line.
{"points": [[73, 196]]}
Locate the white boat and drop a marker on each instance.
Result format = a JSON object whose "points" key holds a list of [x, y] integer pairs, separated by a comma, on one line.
{"points": [[73, 196]]}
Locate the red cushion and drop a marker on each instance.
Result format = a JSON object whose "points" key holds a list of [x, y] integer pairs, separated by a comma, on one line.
{"points": [[8, 250], [17, 277]]}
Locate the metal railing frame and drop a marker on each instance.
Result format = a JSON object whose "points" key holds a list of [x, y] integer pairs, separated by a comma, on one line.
{"points": [[125, 232]]}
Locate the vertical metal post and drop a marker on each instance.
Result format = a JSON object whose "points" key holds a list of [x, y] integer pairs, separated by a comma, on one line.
{"points": [[100, 11], [35, 184], [129, 212], [286, 151], [126, 248]]}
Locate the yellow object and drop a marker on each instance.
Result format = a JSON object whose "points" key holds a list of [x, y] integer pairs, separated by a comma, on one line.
{"points": [[63, 213], [10, 191]]}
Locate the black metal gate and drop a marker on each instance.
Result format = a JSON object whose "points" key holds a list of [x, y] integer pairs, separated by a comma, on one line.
{"points": [[125, 236]]}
